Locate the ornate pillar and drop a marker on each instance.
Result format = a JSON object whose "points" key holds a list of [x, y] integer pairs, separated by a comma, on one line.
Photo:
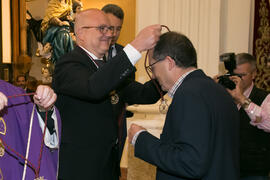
{"points": [[21, 61]]}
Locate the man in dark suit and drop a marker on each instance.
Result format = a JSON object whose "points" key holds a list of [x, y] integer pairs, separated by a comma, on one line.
{"points": [[86, 92], [116, 17], [200, 135]]}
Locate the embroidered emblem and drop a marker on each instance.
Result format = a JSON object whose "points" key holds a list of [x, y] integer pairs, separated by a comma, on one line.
{"points": [[2, 149], [3, 127], [114, 97]]}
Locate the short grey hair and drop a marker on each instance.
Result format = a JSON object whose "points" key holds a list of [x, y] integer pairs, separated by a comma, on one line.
{"points": [[243, 58]]}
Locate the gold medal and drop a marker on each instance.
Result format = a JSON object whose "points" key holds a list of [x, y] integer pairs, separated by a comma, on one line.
{"points": [[2, 149], [163, 107], [114, 98]]}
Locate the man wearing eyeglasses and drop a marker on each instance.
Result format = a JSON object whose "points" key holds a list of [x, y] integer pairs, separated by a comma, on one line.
{"points": [[199, 139], [116, 17], [254, 109], [85, 85]]}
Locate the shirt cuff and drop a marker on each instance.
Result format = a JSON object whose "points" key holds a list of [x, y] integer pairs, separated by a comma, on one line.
{"points": [[254, 110], [134, 139], [133, 54]]}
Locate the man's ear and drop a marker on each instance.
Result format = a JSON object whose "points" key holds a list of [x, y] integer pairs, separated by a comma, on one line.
{"points": [[78, 35], [171, 62], [254, 74]]}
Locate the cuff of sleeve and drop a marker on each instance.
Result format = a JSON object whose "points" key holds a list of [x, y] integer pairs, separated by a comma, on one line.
{"points": [[253, 109], [134, 139], [132, 54]]}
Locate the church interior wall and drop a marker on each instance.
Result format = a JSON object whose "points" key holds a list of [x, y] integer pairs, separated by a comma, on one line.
{"points": [[214, 26]]}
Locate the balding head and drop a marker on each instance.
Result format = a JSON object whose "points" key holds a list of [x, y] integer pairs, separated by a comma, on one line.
{"points": [[88, 25], [84, 16]]}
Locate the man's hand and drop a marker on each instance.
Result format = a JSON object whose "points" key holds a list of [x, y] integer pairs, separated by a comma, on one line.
{"points": [[44, 97], [132, 131], [237, 93], [3, 101], [147, 38]]}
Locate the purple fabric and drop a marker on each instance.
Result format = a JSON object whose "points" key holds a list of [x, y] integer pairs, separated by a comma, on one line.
{"points": [[17, 119]]}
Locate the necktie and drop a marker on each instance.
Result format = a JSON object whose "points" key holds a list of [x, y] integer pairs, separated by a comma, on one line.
{"points": [[112, 52], [50, 121]]}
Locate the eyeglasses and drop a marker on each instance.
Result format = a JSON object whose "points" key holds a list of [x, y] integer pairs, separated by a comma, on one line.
{"points": [[116, 28], [243, 74], [101, 29], [149, 68]]}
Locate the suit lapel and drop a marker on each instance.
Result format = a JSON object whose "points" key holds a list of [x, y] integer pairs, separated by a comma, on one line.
{"points": [[85, 59]]}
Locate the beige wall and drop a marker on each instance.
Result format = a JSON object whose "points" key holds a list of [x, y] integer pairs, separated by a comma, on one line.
{"points": [[6, 32], [129, 6], [236, 26], [214, 26], [198, 19]]}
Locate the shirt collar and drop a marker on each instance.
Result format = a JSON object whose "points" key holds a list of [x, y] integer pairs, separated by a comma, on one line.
{"points": [[248, 90], [172, 91], [89, 53]]}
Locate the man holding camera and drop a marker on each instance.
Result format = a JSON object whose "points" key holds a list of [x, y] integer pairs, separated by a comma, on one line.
{"points": [[254, 110]]}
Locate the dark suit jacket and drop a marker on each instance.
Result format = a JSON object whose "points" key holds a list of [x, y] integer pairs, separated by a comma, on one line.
{"points": [[200, 135], [119, 48], [89, 148], [120, 110]]}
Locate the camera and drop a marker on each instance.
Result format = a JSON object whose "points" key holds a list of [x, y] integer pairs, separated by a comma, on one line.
{"points": [[230, 64]]}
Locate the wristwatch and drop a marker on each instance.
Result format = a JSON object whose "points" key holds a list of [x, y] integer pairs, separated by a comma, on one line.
{"points": [[246, 103]]}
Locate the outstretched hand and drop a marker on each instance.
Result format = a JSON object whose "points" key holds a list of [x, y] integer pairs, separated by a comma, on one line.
{"points": [[44, 97], [147, 38]]}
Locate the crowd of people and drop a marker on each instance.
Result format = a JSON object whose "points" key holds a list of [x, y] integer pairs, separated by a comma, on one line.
{"points": [[75, 126]]}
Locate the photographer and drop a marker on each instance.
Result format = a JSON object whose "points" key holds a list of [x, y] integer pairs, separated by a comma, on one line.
{"points": [[254, 111]]}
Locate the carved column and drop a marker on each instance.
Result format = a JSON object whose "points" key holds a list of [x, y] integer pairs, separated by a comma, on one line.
{"points": [[21, 61]]}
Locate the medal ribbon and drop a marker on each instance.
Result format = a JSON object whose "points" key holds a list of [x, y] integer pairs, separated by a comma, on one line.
{"points": [[36, 170], [92, 59], [163, 101]]}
